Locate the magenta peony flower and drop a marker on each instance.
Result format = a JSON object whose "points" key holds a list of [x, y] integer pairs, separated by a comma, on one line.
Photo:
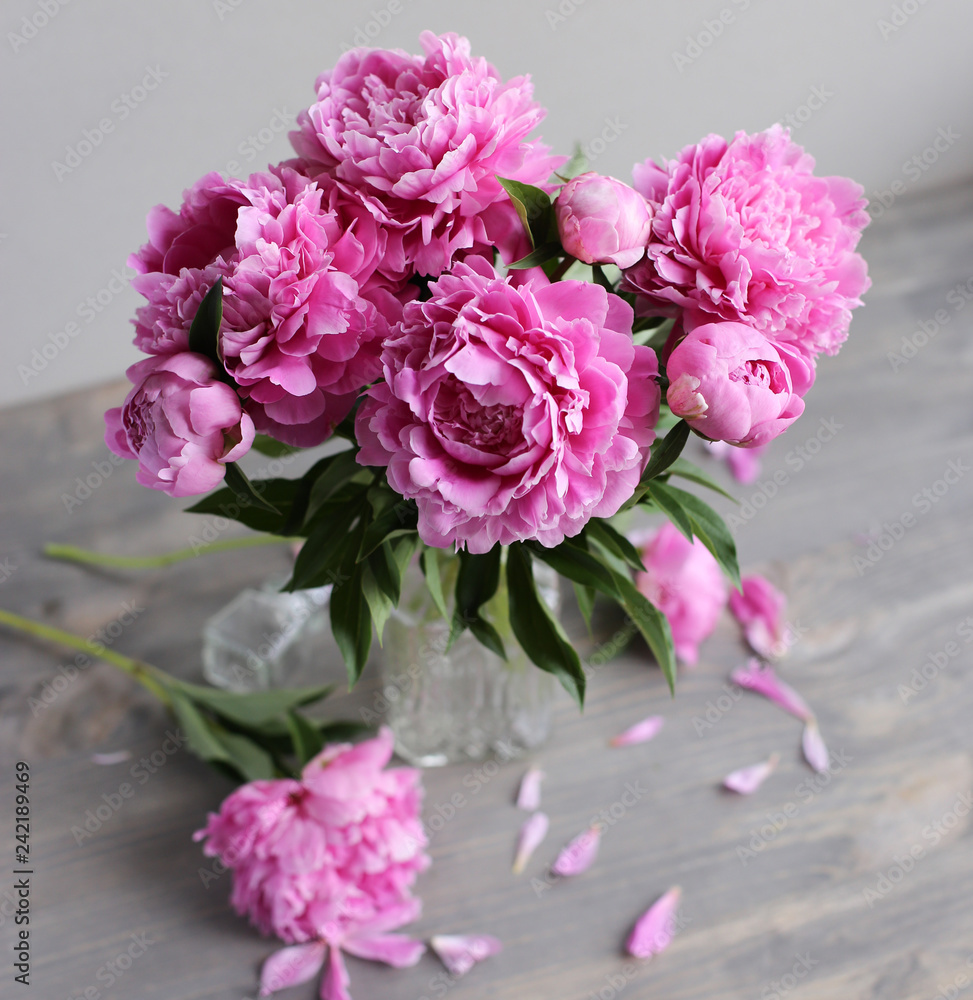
{"points": [[426, 137], [511, 413], [760, 608], [744, 231], [603, 221], [181, 423], [684, 581], [732, 384], [326, 862]]}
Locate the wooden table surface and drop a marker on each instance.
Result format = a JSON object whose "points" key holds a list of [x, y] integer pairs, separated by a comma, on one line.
{"points": [[852, 885]]}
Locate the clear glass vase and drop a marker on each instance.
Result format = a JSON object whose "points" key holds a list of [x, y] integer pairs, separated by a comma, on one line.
{"points": [[465, 702]]}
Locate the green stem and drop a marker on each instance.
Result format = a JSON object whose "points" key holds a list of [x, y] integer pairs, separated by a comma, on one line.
{"points": [[150, 677], [75, 554], [563, 268]]}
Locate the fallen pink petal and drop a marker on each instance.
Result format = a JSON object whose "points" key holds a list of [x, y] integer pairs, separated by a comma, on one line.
{"points": [[529, 795], [292, 966], [641, 732], [747, 780], [532, 833], [116, 757], [763, 680], [815, 752], [460, 952], [654, 930], [579, 855], [760, 608]]}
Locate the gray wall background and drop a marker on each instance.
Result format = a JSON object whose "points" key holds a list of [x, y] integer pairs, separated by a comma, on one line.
{"points": [[149, 96]]}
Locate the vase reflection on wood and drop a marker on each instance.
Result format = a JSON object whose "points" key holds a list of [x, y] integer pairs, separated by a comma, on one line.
{"points": [[462, 702]]}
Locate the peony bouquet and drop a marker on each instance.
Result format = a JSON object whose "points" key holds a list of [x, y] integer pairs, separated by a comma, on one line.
{"points": [[501, 349]]}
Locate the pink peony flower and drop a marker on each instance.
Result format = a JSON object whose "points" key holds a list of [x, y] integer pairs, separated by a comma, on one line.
{"points": [[181, 423], [744, 231], [732, 384], [511, 413], [601, 220], [327, 861], [426, 137], [685, 583], [760, 608]]}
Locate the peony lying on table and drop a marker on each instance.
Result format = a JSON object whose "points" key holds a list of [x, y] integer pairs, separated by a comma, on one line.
{"points": [[499, 337]]}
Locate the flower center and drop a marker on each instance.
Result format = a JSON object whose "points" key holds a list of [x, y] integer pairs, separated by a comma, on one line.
{"points": [[460, 416], [764, 374]]}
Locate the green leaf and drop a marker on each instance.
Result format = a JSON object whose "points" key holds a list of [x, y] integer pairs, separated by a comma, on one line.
{"points": [[711, 530], [476, 583], [586, 601], [486, 634], [379, 602], [341, 730], [616, 543], [332, 473], [543, 253], [306, 737], [249, 759], [201, 738], [244, 489], [687, 470], [653, 625], [398, 519], [404, 548], [666, 451], [351, 623], [661, 496], [578, 565], [252, 709], [279, 494], [578, 164], [273, 448], [320, 559], [429, 562], [534, 208], [537, 630], [204, 334]]}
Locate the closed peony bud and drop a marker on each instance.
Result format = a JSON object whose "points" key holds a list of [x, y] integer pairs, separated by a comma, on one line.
{"points": [[603, 221]]}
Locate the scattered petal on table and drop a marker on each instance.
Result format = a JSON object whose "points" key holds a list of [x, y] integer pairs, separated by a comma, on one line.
{"points": [[529, 796], [748, 779], [641, 732], [460, 952], [763, 680], [116, 757], [578, 856], [334, 985], [532, 833], [397, 950], [760, 609], [291, 966], [655, 929], [815, 752]]}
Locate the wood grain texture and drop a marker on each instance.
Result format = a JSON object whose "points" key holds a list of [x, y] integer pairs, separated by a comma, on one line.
{"points": [[770, 882]]}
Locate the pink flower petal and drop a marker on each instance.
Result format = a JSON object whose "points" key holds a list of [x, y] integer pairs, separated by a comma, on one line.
{"points": [[748, 779], [578, 856], [760, 607], [529, 796], [398, 950], [117, 757], [655, 929], [764, 681], [532, 833], [334, 985], [291, 966], [641, 732], [460, 952], [815, 752]]}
